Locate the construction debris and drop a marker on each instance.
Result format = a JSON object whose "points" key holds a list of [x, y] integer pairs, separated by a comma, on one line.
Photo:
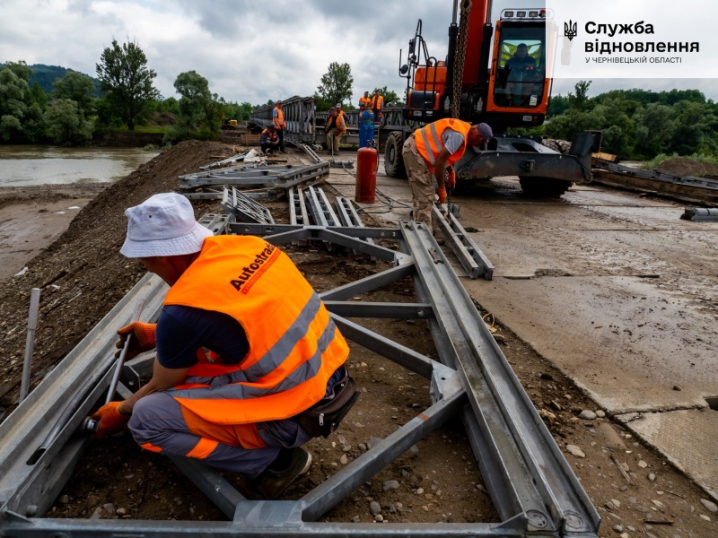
{"points": [[701, 214]]}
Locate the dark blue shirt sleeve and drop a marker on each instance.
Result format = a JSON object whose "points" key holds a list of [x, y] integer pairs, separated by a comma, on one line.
{"points": [[182, 330]]}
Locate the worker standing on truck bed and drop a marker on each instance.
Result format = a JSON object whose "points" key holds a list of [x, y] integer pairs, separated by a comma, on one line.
{"points": [[429, 151], [365, 101], [278, 122], [245, 349], [377, 105]]}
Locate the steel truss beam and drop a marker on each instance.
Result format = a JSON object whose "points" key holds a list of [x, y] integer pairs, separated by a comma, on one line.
{"points": [[532, 486]]}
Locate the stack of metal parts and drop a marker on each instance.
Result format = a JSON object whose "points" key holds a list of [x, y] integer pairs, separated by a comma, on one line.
{"points": [[529, 481], [275, 179], [223, 162], [243, 208]]}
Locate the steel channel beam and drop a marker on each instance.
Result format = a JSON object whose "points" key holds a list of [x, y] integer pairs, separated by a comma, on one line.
{"points": [[348, 215], [493, 471], [497, 480], [369, 283], [315, 208], [472, 259], [258, 523], [376, 251], [402, 355], [569, 508], [304, 172], [330, 492], [245, 170], [363, 309], [332, 219], [211, 483], [246, 228], [26, 428]]}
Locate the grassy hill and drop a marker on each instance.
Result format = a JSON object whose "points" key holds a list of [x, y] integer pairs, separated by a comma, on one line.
{"points": [[44, 75]]}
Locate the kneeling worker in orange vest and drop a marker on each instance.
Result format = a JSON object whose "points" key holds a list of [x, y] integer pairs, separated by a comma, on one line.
{"points": [[430, 151], [275, 351]]}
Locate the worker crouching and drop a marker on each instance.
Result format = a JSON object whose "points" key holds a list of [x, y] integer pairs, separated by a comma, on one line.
{"points": [[276, 355]]}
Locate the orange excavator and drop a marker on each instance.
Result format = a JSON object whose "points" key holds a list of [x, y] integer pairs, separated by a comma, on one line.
{"points": [[496, 74]]}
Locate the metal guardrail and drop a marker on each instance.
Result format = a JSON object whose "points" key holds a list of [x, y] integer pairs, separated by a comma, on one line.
{"points": [[530, 483]]}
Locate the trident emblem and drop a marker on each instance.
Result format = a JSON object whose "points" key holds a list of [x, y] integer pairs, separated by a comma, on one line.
{"points": [[569, 29]]}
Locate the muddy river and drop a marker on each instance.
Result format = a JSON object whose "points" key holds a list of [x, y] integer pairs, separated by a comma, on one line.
{"points": [[21, 166]]}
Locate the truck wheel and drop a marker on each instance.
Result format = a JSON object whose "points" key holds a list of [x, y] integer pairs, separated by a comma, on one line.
{"points": [[543, 187], [393, 161]]}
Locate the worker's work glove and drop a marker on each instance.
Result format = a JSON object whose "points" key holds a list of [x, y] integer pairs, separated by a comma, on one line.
{"points": [[451, 180], [143, 338], [442, 196], [111, 420]]}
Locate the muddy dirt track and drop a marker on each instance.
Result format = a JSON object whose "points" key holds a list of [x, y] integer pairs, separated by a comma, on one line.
{"points": [[82, 276]]}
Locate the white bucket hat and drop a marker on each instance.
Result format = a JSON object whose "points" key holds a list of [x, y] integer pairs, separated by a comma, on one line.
{"points": [[163, 225]]}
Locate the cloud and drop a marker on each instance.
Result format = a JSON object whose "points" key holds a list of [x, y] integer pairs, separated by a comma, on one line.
{"points": [[248, 51]]}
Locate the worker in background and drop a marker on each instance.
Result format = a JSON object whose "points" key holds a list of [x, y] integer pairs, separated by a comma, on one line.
{"points": [[366, 100], [340, 112], [427, 154], [279, 125], [377, 105], [269, 140], [366, 125], [336, 129], [275, 351]]}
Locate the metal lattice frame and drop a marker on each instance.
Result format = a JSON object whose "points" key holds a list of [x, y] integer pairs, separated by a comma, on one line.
{"points": [[529, 481]]}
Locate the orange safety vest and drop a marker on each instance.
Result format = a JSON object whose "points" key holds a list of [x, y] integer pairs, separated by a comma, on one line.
{"points": [[272, 136], [279, 120], [366, 101], [428, 140], [377, 103], [294, 346]]}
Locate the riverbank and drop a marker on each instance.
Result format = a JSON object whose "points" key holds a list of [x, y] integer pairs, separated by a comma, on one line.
{"points": [[32, 218]]}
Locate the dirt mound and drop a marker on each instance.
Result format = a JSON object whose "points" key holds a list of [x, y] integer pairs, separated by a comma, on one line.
{"points": [[163, 118], [82, 275], [681, 166]]}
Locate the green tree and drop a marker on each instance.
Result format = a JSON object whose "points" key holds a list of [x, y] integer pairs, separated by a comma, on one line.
{"points": [[580, 101], [76, 87], [21, 117], [195, 93], [66, 123], [391, 98], [655, 127], [336, 84], [124, 75]]}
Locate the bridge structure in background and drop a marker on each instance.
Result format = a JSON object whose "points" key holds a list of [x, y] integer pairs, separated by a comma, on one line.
{"points": [[306, 126]]}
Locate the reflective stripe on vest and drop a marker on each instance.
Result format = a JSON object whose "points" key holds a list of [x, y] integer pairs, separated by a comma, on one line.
{"points": [[279, 120], [294, 346], [429, 143]]}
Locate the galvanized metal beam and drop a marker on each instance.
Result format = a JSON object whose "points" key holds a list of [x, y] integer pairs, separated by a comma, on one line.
{"points": [[369, 283], [472, 259], [363, 309], [550, 495]]}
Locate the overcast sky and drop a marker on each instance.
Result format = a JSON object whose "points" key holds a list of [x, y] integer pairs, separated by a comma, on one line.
{"points": [[250, 50]]}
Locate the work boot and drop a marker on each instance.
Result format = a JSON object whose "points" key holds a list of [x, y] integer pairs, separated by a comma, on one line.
{"points": [[289, 465]]}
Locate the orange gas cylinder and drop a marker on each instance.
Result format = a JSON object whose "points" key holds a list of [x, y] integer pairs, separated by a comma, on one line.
{"points": [[366, 176]]}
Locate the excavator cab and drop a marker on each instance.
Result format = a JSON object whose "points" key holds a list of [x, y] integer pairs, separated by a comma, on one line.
{"points": [[518, 91]]}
